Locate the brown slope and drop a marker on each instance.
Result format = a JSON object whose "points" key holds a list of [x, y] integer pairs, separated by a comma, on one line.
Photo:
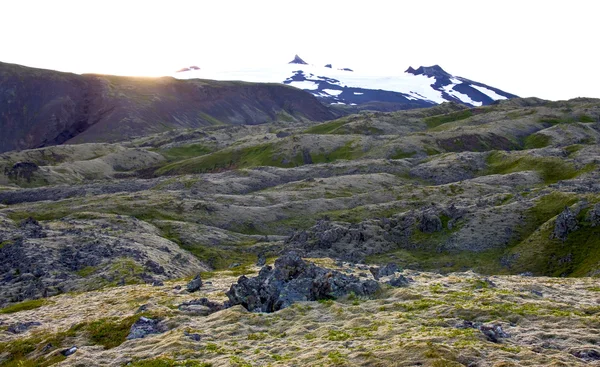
{"points": [[43, 107]]}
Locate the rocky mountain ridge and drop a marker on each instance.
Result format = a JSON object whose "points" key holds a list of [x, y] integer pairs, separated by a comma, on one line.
{"points": [[350, 90]]}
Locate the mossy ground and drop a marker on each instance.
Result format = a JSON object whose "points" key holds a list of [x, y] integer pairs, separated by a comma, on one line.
{"points": [[417, 325]]}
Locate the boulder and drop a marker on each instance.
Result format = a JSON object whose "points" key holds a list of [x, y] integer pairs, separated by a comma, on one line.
{"points": [[292, 280], [384, 271], [195, 284], [67, 352], [202, 306], [146, 326], [493, 332], [399, 281]]}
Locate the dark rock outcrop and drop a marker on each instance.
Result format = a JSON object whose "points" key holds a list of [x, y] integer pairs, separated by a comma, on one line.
{"points": [[587, 354], [146, 326], [566, 222], [492, 332], [593, 216], [202, 306], [194, 284], [384, 271], [22, 327], [292, 280], [429, 223], [399, 281]]}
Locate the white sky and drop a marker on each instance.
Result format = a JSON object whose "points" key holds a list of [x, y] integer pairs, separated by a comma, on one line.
{"points": [[547, 49]]}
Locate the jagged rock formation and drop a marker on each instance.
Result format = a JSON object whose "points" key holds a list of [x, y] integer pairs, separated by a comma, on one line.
{"points": [[566, 222], [292, 280]]}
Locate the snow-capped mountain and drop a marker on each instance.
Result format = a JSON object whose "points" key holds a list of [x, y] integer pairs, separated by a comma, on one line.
{"points": [[413, 88]]}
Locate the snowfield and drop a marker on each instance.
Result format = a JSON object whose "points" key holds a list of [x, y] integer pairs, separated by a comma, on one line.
{"points": [[319, 81]]}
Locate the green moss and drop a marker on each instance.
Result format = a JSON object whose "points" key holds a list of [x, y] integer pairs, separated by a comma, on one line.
{"points": [[337, 358], [572, 149], [257, 336], [259, 155], [586, 118], [87, 271], [337, 335], [435, 121], [111, 332], [167, 362], [555, 120], [535, 141], [348, 151], [186, 151], [326, 128], [399, 154], [23, 306], [551, 169]]}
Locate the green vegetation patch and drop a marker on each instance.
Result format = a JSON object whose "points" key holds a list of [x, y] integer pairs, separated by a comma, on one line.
{"points": [[551, 169], [259, 155], [578, 255], [167, 362], [535, 141], [186, 151], [326, 128], [24, 306], [109, 333], [435, 121], [399, 154], [586, 118]]}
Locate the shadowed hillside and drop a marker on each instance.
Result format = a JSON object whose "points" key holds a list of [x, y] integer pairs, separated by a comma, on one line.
{"points": [[42, 107]]}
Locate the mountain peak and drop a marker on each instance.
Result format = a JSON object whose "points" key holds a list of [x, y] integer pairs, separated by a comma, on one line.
{"points": [[298, 60], [434, 70]]}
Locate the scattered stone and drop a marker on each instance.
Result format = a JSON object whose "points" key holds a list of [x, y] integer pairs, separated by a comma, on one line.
{"points": [[537, 293], [145, 326], [234, 265], [493, 332], [201, 307], [465, 324], [587, 354], [526, 274], [47, 347], [154, 267], [292, 280], [194, 336], [399, 281], [22, 327], [67, 352], [566, 222], [157, 283], [384, 271], [142, 308], [194, 284], [177, 287]]}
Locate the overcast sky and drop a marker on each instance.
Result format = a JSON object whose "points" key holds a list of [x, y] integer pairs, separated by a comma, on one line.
{"points": [[540, 48]]}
